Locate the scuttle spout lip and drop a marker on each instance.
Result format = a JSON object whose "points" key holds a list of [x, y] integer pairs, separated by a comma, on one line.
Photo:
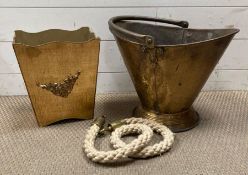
{"points": [[131, 29], [233, 31]]}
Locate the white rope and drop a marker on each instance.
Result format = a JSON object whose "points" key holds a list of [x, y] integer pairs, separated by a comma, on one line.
{"points": [[138, 148]]}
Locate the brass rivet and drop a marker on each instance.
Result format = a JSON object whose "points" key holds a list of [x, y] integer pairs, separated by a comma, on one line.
{"points": [[149, 40]]}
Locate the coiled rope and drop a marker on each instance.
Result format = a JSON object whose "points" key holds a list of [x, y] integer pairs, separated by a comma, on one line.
{"points": [[138, 148]]}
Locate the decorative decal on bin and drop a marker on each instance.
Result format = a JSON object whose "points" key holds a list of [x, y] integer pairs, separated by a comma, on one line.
{"points": [[62, 89]]}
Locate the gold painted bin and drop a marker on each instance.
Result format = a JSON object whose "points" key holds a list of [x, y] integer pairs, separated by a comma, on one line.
{"points": [[168, 65], [59, 68]]}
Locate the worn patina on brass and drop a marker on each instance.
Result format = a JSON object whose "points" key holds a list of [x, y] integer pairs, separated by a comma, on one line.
{"points": [[168, 65]]}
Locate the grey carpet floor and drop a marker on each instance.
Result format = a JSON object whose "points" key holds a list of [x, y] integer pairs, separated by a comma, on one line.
{"points": [[218, 145]]}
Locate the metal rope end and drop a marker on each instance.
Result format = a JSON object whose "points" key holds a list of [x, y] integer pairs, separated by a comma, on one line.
{"points": [[112, 126], [99, 121]]}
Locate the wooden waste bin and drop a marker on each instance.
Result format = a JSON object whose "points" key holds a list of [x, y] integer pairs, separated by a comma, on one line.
{"points": [[59, 68]]}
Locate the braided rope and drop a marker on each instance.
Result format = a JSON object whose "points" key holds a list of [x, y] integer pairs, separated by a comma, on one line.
{"points": [[138, 148]]}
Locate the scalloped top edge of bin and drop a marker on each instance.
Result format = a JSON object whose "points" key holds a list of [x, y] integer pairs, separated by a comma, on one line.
{"points": [[80, 35]]}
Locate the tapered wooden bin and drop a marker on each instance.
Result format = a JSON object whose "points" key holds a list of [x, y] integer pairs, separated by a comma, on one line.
{"points": [[60, 70]]}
